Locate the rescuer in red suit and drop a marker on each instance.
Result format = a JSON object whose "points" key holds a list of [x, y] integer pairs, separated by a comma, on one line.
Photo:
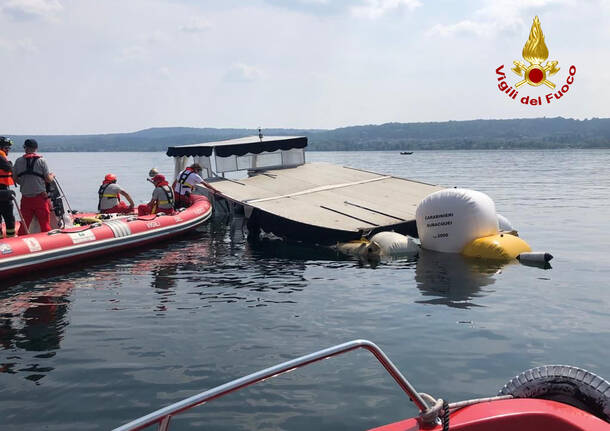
{"points": [[32, 174]]}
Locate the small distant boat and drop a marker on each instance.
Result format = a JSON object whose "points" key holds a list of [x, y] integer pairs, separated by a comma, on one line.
{"points": [[552, 397], [406, 153], [94, 237]]}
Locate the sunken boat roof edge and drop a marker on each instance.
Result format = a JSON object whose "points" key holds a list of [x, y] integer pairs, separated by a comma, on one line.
{"points": [[227, 149]]}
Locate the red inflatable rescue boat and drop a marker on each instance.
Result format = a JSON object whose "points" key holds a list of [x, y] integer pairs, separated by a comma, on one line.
{"points": [[552, 397], [94, 237]]}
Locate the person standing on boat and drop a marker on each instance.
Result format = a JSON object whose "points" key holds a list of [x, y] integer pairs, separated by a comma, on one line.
{"points": [[162, 200], [6, 194], [32, 174], [185, 184], [109, 195]]}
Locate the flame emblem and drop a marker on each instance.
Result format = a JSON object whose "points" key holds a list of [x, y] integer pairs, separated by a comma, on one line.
{"points": [[535, 52]]}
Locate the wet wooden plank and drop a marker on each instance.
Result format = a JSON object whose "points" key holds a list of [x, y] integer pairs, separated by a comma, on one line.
{"points": [[330, 196]]}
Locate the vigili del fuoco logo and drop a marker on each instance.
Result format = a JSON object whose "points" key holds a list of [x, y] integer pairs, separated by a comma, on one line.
{"points": [[537, 73]]}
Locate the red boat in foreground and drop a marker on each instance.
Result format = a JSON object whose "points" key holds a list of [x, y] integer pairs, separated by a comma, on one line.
{"points": [[95, 236], [553, 397]]}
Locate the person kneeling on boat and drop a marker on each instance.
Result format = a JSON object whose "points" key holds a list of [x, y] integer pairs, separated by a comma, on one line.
{"points": [[185, 184], [162, 198], [6, 194], [110, 197]]}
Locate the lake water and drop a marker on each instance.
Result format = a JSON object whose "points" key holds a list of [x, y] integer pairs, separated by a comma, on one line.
{"points": [[94, 346]]}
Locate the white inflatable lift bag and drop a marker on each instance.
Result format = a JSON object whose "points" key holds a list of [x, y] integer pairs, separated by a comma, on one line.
{"points": [[449, 219], [395, 244], [504, 224]]}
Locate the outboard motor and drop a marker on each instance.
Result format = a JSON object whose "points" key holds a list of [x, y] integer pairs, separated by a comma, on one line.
{"points": [[57, 203]]}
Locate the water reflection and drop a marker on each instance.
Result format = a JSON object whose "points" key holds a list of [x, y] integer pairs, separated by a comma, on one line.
{"points": [[164, 272], [215, 266], [266, 248], [33, 321], [219, 265], [452, 279]]}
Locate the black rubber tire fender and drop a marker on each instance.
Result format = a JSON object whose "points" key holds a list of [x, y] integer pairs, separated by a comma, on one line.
{"points": [[570, 385]]}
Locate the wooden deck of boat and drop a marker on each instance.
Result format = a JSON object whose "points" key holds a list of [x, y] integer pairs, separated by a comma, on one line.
{"points": [[331, 197]]}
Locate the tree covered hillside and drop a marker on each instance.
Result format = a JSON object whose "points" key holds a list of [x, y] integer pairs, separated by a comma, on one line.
{"points": [[450, 135]]}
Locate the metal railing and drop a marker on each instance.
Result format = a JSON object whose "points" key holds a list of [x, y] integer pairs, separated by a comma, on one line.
{"points": [[163, 416]]}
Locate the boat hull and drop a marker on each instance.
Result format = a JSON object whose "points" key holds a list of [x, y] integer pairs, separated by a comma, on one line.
{"points": [[64, 247], [522, 414], [313, 234]]}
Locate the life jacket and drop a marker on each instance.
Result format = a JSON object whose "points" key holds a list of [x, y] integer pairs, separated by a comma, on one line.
{"points": [[30, 162], [169, 194], [6, 171], [184, 175], [103, 195]]}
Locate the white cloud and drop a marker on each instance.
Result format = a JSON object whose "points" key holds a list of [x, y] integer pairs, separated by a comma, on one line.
{"points": [[28, 9], [164, 73], [243, 73], [27, 45], [144, 45], [196, 26], [21, 45], [132, 52], [376, 8], [155, 38], [496, 17], [461, 28]]}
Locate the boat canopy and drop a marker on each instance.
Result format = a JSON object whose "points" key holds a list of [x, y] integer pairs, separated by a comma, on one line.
{"points": [[250, 153], [240, 146]]}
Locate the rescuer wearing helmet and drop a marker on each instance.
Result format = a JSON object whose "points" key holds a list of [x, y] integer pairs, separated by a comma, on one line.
{"points": [[6, 194], [162, 200], [32, 174], [185, 184], [110, 197]]}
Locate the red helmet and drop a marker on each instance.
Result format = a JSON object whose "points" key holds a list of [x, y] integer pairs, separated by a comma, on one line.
{"points": [[110, 177], [158, 179]]}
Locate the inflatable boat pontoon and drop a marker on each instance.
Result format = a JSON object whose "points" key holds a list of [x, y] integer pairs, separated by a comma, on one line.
{"points": [[37, 251]]}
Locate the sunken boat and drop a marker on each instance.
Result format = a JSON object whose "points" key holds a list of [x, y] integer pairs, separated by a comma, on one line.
{"points": [[280, 193]]}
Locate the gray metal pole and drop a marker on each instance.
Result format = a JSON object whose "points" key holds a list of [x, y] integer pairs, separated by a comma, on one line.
{"points": [[25, 226], [63, 195]]}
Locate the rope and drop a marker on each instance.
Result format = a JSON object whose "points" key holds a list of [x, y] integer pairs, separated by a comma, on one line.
{"points": [[434, 411], [56, 231], [439, 410], [445, 417], [460, 404], [147, 219]]}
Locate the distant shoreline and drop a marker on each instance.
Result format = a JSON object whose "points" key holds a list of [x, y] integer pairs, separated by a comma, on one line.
{"points": [[529, 133], [352, 151]]}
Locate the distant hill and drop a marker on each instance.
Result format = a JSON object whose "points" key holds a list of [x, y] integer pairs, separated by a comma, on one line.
{"points": [[450, 135]]}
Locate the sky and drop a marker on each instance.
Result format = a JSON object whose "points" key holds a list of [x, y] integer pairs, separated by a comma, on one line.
{"points": [[106, 66]]}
